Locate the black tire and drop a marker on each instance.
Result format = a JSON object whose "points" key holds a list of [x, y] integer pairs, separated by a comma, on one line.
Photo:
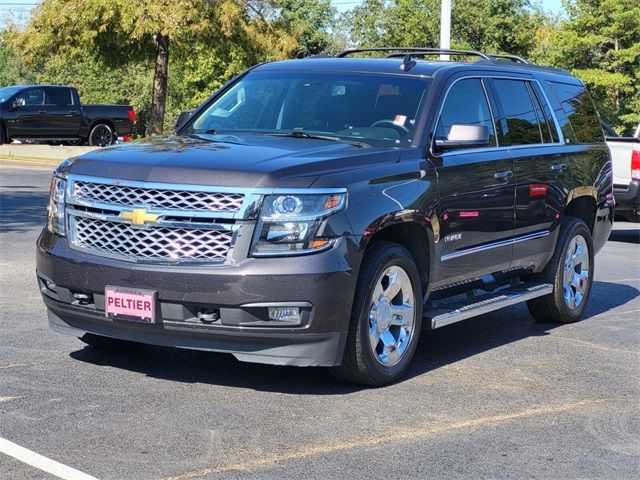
{"points": [[102, 135], [556, 307], [106, 343], [3, 137], [361, 364]]}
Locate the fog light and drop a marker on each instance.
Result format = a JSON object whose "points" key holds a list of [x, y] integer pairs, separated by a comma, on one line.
{"points": [[284, 314]]}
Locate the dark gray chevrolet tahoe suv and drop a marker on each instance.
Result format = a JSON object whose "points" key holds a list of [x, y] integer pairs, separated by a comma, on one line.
{"points": [[322, 211]]}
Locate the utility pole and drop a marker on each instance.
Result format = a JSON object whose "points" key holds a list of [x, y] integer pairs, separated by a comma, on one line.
{"points": [[445, 27]]}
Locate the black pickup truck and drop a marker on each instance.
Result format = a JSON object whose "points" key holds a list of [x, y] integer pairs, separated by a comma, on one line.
{"points": [[54, 114], [322, 211]]}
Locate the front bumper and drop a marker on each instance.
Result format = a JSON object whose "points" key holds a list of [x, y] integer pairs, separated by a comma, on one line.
{"points": [[322, 285], [628, 201]]}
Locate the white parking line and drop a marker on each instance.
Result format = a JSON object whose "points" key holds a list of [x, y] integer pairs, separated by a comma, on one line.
{"points": [[43, 463]]}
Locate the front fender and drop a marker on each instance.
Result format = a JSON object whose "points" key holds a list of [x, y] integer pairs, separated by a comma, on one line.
{"points": [[387, 195]]}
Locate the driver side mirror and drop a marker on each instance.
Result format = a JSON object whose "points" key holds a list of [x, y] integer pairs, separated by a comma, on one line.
{"points": [[465, 136], [19, 103], [183, 117]]}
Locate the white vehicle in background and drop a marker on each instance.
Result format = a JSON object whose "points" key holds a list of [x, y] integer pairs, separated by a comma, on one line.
{"points": [[625, 156]]}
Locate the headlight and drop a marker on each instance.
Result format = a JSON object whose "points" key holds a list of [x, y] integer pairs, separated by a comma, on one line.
{"points": [[289, 223], [56, 220]]}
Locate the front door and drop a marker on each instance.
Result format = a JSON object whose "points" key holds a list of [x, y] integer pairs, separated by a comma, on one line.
{"points": [[477, 190], [26, 119]]}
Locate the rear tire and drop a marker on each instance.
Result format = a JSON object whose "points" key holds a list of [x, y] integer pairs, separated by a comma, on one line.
{"points": [[570, 271], [385, 320], [3, 137], [106, 343], [102, 135]]}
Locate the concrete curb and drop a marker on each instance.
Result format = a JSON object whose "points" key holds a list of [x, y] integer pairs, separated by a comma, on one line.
{"points": [[57, 152], [34, 161]]}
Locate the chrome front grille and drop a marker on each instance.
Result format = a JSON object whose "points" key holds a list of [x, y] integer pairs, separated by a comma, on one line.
{"points": [[154, 243], [170, 199], [157, 222]]}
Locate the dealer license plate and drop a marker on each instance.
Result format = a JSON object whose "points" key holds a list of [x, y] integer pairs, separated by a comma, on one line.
{"points": [[132, 304]]}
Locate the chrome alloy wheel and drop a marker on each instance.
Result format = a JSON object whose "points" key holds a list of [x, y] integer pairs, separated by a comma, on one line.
{"points": [[575, 279], [391, 316]]}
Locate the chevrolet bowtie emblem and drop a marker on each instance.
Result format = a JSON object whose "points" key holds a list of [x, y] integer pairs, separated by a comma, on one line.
{"points": [[139, 217]]}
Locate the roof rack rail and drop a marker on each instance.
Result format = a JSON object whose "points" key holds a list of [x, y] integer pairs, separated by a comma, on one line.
{"points": [[513, 58], [402, 51]]}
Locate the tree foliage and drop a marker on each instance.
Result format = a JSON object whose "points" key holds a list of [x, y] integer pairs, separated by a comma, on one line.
{"points": [[599, 42], [500, 26], [120, 36], [107, 49], [10, 69]]}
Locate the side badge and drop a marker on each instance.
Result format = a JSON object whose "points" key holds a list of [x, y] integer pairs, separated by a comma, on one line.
{"points": [[453, 237]]}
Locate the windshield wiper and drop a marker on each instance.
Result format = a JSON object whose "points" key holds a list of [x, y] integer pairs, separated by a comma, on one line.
{"points": [[212, 131], [302, 134]]}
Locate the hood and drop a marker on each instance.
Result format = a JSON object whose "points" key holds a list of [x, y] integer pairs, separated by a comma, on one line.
{"points": [[247, 161]]}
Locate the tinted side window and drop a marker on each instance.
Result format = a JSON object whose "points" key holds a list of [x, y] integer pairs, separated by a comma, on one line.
{"points": [[58, 96], [466, 104], [520, 124], [34, 96], [580, 111]]}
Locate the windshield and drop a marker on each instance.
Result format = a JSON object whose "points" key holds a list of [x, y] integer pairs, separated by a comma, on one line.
{"points": [[6, 92], [377, 109]]}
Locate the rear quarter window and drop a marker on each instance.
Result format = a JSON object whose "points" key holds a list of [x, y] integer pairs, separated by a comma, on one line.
{"points": [[580, 111]]}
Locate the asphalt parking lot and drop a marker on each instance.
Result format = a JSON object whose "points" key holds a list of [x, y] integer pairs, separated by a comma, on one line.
{"points": [[499, 396]]}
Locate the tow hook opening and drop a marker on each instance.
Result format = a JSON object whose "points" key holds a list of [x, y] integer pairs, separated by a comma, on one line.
{"points": [[208, 315]]}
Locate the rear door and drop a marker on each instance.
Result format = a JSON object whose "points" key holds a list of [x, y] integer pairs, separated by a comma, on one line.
{"points": [[541, 168], [62, 118], [477, 189]]}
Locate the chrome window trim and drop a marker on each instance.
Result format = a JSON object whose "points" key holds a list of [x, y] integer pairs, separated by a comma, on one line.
{"points": [[561, 139], [490, 246], [493, 116]]}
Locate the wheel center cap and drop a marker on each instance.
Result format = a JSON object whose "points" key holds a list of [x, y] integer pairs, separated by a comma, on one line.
{"points": [[384, 315]]}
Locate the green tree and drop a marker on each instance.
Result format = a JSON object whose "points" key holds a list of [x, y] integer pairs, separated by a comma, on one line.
{"points": [[309, 21], [10, 69], [599, 42], [495, 26], [120, 32]]}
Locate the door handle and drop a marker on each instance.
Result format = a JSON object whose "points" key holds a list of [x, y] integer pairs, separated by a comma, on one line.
{"points": [[42, 112], [558, 167], [503, 176]]}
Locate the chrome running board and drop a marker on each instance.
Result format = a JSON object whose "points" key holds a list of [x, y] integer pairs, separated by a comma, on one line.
{"points": [[446, 315]]}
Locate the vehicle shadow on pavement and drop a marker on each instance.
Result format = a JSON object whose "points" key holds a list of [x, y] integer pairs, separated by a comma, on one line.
{"points": [[458, 341], [22, 209], [630, 235], [436, 349]]}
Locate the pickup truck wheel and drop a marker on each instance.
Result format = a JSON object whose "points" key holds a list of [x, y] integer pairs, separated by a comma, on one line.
{"points": [[3, 137], [101, 135], [570, 271], [106, 343], [385, 320]]}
